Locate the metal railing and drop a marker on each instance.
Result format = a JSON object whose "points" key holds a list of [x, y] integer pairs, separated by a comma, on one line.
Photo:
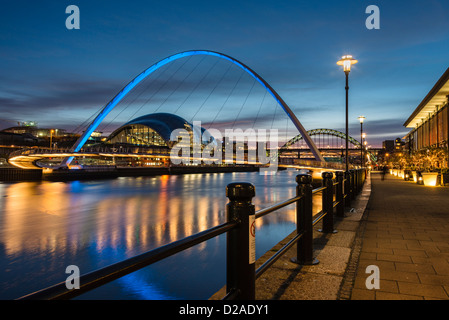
{"points": [[241, 274]]}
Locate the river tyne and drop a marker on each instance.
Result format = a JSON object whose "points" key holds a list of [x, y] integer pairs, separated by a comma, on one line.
{"points": [[47, 226]]}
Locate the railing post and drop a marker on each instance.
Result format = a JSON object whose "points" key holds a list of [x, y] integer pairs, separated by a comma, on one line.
{"points": [[240, 247], [359, 180], [304, 249], [339, 194], [353, 192], [328, 208], [347, 189]]}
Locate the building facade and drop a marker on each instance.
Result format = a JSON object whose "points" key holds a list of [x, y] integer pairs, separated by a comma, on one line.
{"points": [[429, 122]]}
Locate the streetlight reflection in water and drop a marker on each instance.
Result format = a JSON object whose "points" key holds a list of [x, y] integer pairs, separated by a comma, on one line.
{"points": [[46, 226]]}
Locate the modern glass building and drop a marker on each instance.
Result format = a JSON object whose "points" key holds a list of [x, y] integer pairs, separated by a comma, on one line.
{"points": [[156, 130], [429, 121], [154, 135]]}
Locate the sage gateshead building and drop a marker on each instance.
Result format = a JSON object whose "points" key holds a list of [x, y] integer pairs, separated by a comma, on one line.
{"points": [[429, 122], [152, 134]]}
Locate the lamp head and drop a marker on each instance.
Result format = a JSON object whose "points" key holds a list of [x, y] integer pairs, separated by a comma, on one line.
{"points": [[362, 118], [346, 61]]}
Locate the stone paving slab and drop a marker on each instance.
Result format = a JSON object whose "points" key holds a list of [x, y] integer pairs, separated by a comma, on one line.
{"points": [[398, 226], [407, 237], [286, 280]]}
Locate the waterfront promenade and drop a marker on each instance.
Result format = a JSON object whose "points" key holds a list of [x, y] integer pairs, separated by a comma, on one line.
{"points": [[396, 225], [407, 237]]}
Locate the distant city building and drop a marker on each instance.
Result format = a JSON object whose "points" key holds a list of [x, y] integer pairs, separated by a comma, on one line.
{"points": [[389, 148], [388, 145], [27, 133], [15, 139], [399, 144], [31, 127], [429, 121]]}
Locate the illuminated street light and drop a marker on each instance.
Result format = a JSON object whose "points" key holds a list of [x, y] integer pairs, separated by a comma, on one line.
{"points": [[51, 138], [346, 61]]}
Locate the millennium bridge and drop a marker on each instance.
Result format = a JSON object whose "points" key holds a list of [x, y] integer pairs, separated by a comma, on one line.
{"points": [[290, 154]]}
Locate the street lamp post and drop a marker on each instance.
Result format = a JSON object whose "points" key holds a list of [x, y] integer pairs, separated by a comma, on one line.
{"points": [[362, 160], [346, 61], [364, 147], [51, 139]]}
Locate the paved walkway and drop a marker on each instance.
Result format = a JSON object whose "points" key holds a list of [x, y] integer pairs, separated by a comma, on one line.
{"points": [[332, 278], [398, 226], [406, 236]]}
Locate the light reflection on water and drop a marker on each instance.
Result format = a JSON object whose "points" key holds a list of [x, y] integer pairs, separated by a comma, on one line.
{"points": [[46, 226]]}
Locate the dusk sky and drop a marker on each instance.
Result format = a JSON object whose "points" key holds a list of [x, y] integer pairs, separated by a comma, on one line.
{"points": [[60, 77]]}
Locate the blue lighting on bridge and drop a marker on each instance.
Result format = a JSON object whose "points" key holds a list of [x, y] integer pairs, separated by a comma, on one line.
{"points": [[82, 140], [150, 70]]}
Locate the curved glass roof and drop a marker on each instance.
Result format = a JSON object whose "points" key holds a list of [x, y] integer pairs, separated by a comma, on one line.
{"points": [[163, 123]]}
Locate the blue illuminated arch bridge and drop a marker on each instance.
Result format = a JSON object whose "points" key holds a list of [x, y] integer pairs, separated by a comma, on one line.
{"points": [[105, 111]]}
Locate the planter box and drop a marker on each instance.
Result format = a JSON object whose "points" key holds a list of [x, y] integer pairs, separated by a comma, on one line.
{"points": [[415, 176], [408, 175], [430, 178]]}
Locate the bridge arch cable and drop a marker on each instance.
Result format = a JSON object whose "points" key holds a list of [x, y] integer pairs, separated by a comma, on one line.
{"points": [[142, 87], [225, 101], [260, 108], [144, 90], [131, 85], [83, 125], [214, 88], [146, 102], [209, 70], [179, 84], [243, 104]]}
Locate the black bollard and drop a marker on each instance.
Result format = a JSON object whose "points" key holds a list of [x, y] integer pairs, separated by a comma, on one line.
{"points": [[328, 208], [353, 184], [304, 251], [339, 194], [240, 247], [347, 189]]}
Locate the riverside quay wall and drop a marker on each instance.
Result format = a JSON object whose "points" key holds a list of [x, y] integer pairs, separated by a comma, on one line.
{"points": [[17, 174]]}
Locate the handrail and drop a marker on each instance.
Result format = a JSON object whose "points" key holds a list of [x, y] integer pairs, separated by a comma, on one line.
{"points": [[239, 211], [318, 190], [264, 267], [320, 215], [263, 212], [107, 274]]}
